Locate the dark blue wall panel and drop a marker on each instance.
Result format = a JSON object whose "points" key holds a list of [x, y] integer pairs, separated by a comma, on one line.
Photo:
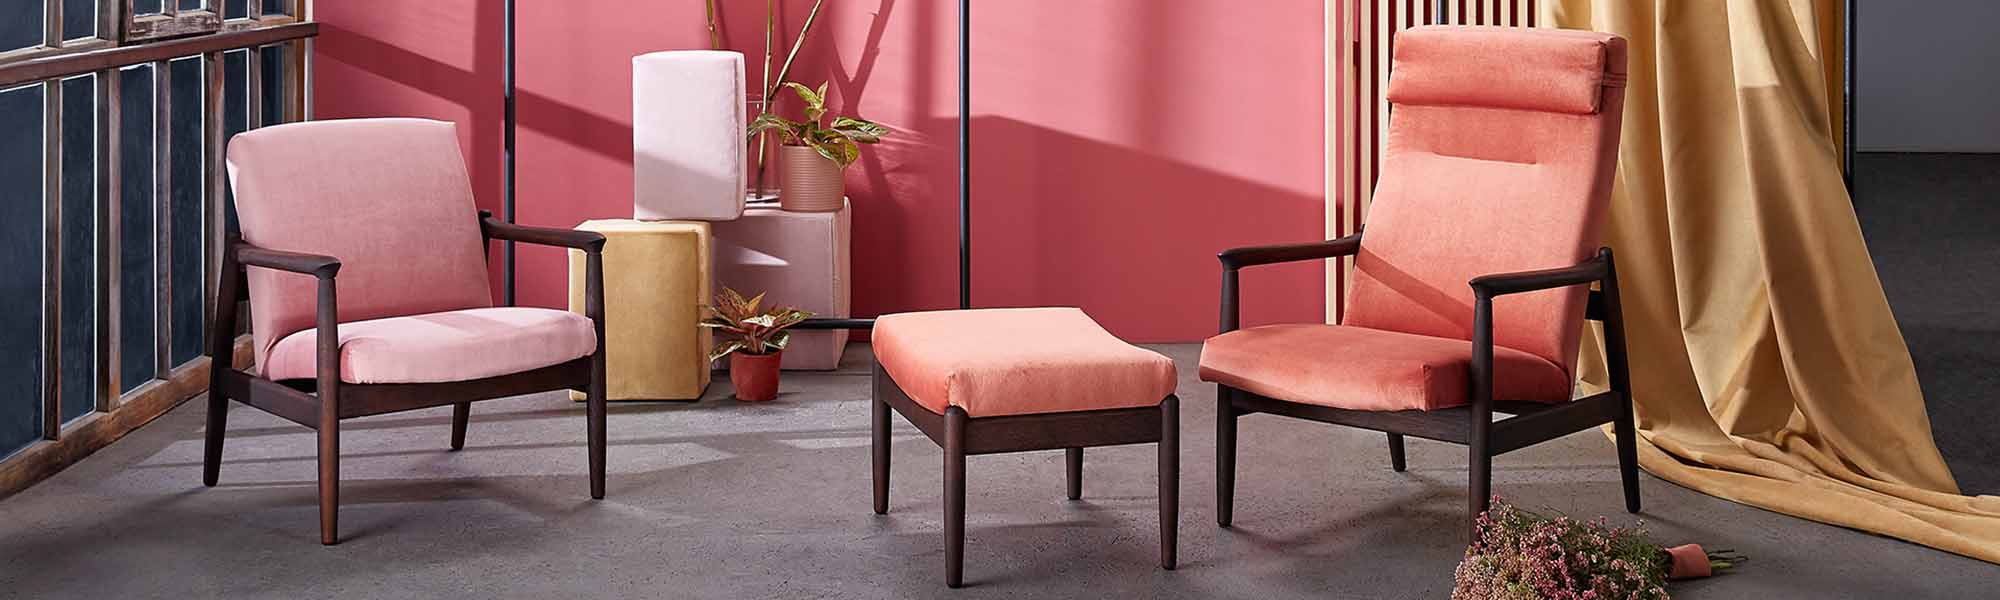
{"points": [[186, 229], [235, 117], [272, 72], [137, 296], [235, 9], [20, 25], [79, 19], [146, 7], [277, 7], [79, 247], [20, 267]]}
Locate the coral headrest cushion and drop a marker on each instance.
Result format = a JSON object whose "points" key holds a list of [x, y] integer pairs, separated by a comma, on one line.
{"points": [[1549, 70]]}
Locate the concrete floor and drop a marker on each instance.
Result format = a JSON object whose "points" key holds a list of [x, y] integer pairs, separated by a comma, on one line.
{"points": [[720, 499]]}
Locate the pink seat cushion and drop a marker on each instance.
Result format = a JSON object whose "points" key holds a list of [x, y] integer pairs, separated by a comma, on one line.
{"points": [[1016, 361], [1506, 170], [389, 198], [458, 345], [1369, 369]]}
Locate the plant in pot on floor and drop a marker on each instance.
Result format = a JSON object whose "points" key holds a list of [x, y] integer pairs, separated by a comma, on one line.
{"points": [[758, 342], [814, 154]]}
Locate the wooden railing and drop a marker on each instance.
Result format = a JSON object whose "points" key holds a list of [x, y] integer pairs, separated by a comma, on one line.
{"points": [[107, 265]]}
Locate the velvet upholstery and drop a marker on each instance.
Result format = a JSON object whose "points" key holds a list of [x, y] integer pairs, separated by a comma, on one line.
{"points": [[656, 277], [389, 198], [1499, 158], [1478, 186], [435, 347], [799, 259], [1369, 369], [689, 153], [1013, 361]]}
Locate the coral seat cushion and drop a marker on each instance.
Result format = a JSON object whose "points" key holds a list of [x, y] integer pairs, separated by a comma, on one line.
{"points": [[1369, 369], [1015, 361], [457, 345]]}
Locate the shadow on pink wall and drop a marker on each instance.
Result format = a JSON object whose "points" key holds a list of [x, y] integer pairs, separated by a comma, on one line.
{"points": [[1110, 223]]}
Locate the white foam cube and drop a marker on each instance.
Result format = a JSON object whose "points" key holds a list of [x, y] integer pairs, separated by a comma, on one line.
{"points": [[688, 149]]}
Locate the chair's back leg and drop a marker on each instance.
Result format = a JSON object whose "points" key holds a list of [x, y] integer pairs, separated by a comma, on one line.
{"points": [[221, 358], [1614, 349], [878, 431], [1073, 470]]}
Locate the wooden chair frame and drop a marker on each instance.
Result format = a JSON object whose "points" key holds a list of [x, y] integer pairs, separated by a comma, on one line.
{"points": [[321, 403], [960, 434], [1471, 425]]}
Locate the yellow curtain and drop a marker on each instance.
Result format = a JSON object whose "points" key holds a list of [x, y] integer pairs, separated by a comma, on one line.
{"points": [[1765, 362]]}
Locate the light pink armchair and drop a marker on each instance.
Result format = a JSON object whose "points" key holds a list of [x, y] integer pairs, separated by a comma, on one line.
{"points": [[386, 205], [1471, 287]]}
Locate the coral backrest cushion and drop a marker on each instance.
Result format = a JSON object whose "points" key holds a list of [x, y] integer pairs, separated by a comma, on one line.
{"points": [[390, 198], [1499, 158]]}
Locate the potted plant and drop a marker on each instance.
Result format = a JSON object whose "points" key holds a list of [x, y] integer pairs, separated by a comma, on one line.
{"points": [[814, 153], [758, 343]]}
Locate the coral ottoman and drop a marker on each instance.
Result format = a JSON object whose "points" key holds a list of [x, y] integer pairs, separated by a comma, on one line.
{"points": [[656, 278], [800, 259], [1019, 379]]}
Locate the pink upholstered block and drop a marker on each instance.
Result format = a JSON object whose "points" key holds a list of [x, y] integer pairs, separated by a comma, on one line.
{"points": [[1369, 369], [1480, 185], [799, 259], [457, 345], [688, 148], [389, 198], [1013, 361], [1547, 70]]}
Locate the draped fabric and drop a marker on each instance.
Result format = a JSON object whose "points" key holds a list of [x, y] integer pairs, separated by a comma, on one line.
{"points": [[1766, 365]]}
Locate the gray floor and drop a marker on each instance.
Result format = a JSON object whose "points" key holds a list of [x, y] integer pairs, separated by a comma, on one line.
{"points": [[727, 500]]}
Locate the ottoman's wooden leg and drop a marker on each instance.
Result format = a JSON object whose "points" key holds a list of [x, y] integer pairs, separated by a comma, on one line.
{"points": [[461, 415], [1074, 459], [879, 432], [954, 496], [1170, 481], [1396, 453], [1225, 455]]}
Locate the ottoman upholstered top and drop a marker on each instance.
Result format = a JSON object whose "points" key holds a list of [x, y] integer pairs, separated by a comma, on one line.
{"points": [[1017, 361]]}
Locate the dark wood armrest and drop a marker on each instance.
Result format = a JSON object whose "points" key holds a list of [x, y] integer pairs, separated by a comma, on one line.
{"points": [[316, 265], [1237, 258], [1501, 284], [494, 228]]}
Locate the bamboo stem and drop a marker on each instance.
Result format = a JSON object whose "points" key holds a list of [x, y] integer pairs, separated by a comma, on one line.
{"points": [[714, 36]]}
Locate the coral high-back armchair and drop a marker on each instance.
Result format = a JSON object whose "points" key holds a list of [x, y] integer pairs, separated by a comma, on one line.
{"points": [[1471, 287], [365, 261]]}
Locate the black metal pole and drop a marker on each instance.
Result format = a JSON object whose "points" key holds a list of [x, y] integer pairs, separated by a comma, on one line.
{"points": [[1847, 150], [507, 168], [964, 154]]}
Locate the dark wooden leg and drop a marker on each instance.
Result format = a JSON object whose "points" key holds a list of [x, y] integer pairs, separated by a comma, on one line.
{"points": [[1396, 452], [1479, 485], [1225, 455], [461, 414], [329, 478], [211, 452], [1628, 452], [954, 496], [879, 431], [596, 418], [1170, 481], [1073, 458]]}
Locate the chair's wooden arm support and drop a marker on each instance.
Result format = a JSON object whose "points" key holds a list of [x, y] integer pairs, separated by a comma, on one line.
{"points": [[1237, 258], [495, 229], [1234, 259], [1501, 284], [316, 265]]}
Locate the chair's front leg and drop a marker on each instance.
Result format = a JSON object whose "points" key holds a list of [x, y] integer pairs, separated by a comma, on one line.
{"points": [[954, 495], [1225, 455], [593, 307], [328, 331], [221, 358], [1170, 481], [1479, 467], [878, 431]]}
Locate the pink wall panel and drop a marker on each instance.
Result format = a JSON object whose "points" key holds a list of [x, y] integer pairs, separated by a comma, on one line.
{"points": [[1118, 143]]}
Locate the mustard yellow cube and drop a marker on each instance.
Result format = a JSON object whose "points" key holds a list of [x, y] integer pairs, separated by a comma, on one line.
{"points": [[656, 277]]}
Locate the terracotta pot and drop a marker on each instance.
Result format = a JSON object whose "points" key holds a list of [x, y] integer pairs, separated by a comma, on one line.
{"points": [[808, 182], [754, 375]]}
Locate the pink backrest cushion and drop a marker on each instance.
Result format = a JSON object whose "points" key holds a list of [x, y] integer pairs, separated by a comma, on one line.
{"points": [[390, 198], [1495, 162]]}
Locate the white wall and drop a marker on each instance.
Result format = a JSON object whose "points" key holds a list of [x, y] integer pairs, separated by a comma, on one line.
{"points": [[1929, 76]]}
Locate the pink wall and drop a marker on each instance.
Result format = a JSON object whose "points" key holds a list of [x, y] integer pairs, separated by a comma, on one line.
{"points": [[1118, 144]]}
